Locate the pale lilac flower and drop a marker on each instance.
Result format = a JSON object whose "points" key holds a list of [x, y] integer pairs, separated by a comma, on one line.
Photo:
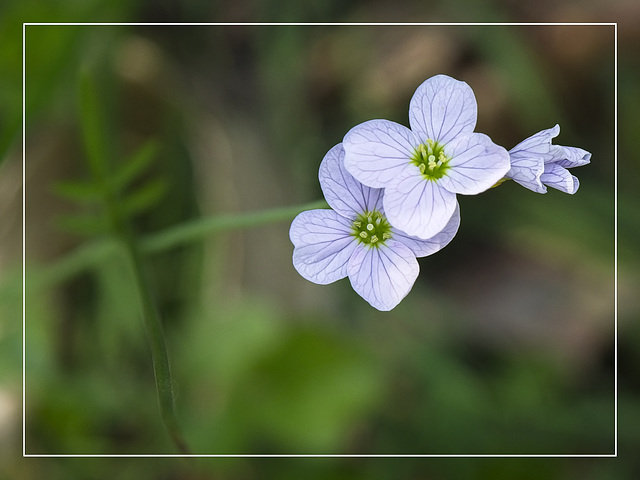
{"points": [[535, 162], [423, 168], [355, 239]]}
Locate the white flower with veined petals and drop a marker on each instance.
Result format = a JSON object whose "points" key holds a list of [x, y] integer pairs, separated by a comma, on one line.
{"points": [[423, 168], [535, 162], [355, 239]]}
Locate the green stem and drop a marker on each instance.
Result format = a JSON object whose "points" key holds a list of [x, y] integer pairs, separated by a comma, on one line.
{"points": [[91, 254], [197, 229], [159, 356], [150, 315]]}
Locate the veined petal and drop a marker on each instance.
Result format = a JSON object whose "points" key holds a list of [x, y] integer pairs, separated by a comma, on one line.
{"points": [[323, 245], [538, 145], [422, 248], [559, 177], [573, 157], [344, 193], [383, 275], [476, 164], [418, 207], [526, 170], [378, 150], [442, 108]]}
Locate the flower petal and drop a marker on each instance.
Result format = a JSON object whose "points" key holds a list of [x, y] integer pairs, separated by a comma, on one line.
{"points": [[418, 207], [378, 150], [538, 145], [526, 170], [323, 245], [442, 108], [559, 177], [344, 193], [422, 248], [476, 164], [574, 157], [383, 275]]}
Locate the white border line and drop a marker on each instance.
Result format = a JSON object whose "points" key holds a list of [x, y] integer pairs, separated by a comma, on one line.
{"points": [[24, 253], [606, 455], [321, 455], [325, 24], [615, 235]]}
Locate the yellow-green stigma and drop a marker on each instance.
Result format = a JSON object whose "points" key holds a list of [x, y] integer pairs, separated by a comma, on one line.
{"points": [[431, 160], [371, 228]]}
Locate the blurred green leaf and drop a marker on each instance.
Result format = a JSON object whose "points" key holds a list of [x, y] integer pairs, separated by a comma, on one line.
{"points": [[136, 165], [81, 192], [271, 384], [145, 197], [52, 55], [83, 224], [308, 394], [93, 127]]}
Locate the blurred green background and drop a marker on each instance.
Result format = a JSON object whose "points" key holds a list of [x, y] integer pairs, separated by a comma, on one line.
{"points": [[505, 344]]}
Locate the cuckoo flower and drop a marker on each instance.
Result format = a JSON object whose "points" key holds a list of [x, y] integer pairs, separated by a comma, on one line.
{"points": [[355, 239], [423, 168], [535, 162]]}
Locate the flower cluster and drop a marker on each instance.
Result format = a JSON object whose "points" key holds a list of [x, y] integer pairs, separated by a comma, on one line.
{"points": [[392, 190]]}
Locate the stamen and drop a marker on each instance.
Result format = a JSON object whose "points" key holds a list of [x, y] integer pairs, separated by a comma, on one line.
{"points": [[430, 159], [371, 228]]}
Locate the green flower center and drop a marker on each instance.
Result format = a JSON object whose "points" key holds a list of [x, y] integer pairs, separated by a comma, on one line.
{"points": [[371, 228], [431, 160]]}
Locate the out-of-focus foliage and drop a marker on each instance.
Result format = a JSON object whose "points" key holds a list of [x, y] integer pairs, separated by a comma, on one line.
{"points": [[505, 344], [54, 56]]}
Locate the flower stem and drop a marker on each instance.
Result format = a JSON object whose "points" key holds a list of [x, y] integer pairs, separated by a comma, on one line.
{"points": [[150, 315], [90, 254], [197, 229], [157, 344]]}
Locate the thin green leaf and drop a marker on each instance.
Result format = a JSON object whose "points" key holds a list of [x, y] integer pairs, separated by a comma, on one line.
{"points": [[93, 128], [81, 192], [145, 197], [199, 228], [91, 254], [83, 224], [135, 165]]}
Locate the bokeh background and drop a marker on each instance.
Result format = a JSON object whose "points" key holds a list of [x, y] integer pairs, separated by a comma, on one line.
{"points": [[505, 344]]}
